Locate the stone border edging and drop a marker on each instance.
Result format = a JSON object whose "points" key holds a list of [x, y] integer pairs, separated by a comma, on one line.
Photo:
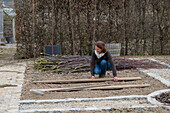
{"points": [[152, 59], [165, 82], [129, 97], [83, 99], [161, 79], [152, 100], [154, 103], [67, 110]]}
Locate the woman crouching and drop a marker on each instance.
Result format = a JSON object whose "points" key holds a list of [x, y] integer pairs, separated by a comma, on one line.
{"points": [[102, 61]]}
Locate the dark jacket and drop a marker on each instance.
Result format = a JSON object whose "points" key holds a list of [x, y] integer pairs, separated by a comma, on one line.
{"points": [[107, 56]]}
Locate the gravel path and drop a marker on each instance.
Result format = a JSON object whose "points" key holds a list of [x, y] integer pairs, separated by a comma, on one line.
{"points": [[10, 96]]}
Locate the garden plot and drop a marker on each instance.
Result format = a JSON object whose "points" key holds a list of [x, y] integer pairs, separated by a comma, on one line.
{"points": [[32, 75], [129, 99], [137, 97]]}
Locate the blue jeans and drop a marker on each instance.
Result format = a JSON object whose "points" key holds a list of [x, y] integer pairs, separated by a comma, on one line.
{"points": [[101, 69]]}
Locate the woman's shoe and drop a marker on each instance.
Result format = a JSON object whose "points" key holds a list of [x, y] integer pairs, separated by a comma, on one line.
{"points": [[101, 75]]}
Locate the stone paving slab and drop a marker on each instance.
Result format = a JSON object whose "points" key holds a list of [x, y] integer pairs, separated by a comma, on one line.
{"points": [[10, 96]]}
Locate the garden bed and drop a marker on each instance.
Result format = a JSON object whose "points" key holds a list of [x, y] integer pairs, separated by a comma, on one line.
{"points": [[32, 75]]}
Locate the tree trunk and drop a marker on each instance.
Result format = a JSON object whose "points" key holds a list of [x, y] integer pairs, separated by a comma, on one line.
{"points": [[161, 40], [117, 24], [153, 42], [56, 30], [89, 30], [125, 37], [33, 30], [143, 26], [110, 24], [160, 31], [71, 27], [79, 32], [138, 26], [98, 20], [136, 30], [61, 31], [94, 25], [153, 30], [53, 24]]}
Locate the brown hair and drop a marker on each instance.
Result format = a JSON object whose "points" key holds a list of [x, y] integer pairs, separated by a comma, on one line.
{"points": [[102, 46]]}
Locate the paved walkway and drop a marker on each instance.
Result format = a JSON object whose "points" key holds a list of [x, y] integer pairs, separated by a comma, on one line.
{"points": [[12, 74]]}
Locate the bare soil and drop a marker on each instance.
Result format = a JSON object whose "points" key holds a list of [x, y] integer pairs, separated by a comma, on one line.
{"points": [[164, 98], [32, 75]]}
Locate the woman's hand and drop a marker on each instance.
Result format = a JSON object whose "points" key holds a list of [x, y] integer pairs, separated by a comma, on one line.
{"points": [[115, 78], [92, 77]]}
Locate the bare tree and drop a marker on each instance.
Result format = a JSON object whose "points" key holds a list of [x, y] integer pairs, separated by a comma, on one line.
{"points": [[141, 26]]}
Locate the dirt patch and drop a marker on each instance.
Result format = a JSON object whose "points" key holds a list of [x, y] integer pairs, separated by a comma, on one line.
{"points": [[32, 75], [164, 98]]}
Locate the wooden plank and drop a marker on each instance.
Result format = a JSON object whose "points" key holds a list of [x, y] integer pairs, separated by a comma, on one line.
{"points": [[87, 80], [95, 87], [69, 88], [120, 87]]}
